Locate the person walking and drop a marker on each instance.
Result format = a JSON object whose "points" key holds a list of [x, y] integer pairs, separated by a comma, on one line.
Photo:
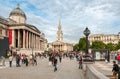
{"points": [[50, 61], [3, 60], [118, 58], [17, 60], [55, 64], [80, 62], [10, 60], [35, 60], [26, 60], [115, 69], [60, 58]]}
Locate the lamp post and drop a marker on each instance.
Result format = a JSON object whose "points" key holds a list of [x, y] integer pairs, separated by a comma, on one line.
{"points": [[86, 33]]}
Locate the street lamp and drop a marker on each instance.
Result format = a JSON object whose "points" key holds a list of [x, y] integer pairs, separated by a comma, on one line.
{"points": [[86, 33]]}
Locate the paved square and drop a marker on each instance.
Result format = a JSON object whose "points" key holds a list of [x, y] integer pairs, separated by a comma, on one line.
{"points": [[68, 69]]}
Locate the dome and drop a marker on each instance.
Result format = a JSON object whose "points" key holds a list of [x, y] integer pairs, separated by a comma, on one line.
{"points": [[17, 11]]}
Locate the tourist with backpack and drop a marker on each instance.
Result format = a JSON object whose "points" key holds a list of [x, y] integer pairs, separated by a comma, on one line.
{"points": [[115, 69]]}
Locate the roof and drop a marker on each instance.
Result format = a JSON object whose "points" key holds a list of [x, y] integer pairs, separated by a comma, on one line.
{"points": [[17, 11], [3, 20], [33, 27]]}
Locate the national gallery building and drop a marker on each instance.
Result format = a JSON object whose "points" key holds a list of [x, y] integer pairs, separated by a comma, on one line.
{"points": [[23, 38]]}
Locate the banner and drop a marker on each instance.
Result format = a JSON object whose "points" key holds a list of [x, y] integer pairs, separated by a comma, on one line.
{"points": [[10, 36]]}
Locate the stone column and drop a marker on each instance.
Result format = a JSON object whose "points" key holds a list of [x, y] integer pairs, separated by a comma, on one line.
{"points": [[27, 39], [39, 43], [35, 42], [32, 40], [60, 47], [19, 38], [13, 38], [23, 38]]}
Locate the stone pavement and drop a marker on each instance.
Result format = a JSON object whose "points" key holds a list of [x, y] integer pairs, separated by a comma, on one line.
{"points": [[6, 65], [68, 69], [105, 68]]}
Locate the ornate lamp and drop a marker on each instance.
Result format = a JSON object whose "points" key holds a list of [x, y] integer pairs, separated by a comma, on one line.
{"points": [[87, 58], [86, 33]]}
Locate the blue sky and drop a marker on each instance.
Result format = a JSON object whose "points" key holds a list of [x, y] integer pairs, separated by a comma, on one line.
{"points": [[100, 16]]}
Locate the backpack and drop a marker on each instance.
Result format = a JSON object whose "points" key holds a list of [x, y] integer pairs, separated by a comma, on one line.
{"points": [[116, 68]]}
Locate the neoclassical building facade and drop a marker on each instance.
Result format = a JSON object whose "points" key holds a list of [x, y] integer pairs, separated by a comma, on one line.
{"points": [[23, 37], [108, 38], [59, 45]]}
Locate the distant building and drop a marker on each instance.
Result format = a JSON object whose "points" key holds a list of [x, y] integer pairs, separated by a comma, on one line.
{"points": [[23, 37], [59, 45], [109, 38]]}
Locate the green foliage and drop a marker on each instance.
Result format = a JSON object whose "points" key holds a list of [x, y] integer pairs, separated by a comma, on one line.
{"points": [[117, 46], [98, 45], [76, 47], [82, 44], [110, 46]]}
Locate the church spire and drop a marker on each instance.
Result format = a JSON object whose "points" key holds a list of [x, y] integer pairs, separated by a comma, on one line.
{"points": [[59, 32], [60, 27]]}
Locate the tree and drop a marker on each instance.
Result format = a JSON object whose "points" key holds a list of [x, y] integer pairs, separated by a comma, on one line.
{"points": [[82, 44], [110, 46], [98, 45], [76, 47], [117, 46]]}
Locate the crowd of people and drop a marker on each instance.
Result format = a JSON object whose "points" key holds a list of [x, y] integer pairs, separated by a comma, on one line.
{"points": [[53, 58], [20, 59]]}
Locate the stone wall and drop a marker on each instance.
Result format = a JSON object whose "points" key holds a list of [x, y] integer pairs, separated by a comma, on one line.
{"points": [[92, 73]]}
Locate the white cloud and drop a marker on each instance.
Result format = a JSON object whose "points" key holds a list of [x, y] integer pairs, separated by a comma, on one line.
{"points": [[97, 15]]}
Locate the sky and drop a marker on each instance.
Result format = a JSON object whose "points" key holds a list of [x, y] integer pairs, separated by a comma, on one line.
{"points": [[100, 16]]}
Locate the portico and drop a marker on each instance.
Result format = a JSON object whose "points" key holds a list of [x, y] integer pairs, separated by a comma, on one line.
{"points": [[23, 37]]}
